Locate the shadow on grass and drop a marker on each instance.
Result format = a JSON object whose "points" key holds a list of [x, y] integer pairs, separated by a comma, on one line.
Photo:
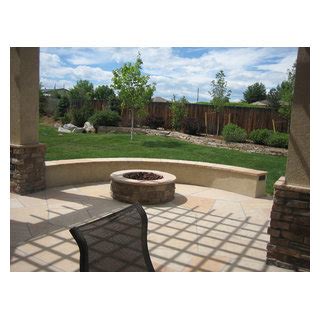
{"points": [[162, 144]]}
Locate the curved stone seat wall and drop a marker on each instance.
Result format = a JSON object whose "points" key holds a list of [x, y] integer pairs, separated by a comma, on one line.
{"points": [[244, 181]]}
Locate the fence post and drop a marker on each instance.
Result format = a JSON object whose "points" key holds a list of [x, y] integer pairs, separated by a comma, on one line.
{"points": [[273, 125], [206, 122]]}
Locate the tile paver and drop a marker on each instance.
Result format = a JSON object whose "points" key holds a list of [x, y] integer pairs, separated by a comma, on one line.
{"points": [[202, 229]]}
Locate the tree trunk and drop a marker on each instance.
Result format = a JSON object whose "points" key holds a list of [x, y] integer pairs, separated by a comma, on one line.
{"points": [[131, 133], [218, 123]]}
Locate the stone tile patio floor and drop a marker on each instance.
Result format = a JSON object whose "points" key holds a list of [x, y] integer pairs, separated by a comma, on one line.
{"points": [[202, 229]]}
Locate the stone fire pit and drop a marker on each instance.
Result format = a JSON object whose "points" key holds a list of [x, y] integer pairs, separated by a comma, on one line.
{"points": [[143, 186]]}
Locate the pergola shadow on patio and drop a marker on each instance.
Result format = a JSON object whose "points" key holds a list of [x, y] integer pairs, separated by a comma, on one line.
{"points": [[202, 229]]}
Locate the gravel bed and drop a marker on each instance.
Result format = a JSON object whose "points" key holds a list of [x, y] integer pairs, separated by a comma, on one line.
{"points": [[214, 142]]}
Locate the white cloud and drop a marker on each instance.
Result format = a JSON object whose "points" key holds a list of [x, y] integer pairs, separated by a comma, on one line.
{"points": [[51, 83], [50, 60], [51, 67], [86, 72], [174, 74]]}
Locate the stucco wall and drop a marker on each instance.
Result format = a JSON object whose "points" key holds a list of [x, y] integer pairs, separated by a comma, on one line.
{"points": [[235, 179]]}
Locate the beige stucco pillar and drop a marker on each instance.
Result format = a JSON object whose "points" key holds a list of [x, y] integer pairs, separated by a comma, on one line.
{"points": [[26, 153], [24, 95], [289, 229], [298, 163]]}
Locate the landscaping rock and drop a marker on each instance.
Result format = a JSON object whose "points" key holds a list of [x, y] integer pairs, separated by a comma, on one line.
{"points": [[69, 126], [88, 127], [102, 129], [63, 130], [208, 140], [77, 130]]}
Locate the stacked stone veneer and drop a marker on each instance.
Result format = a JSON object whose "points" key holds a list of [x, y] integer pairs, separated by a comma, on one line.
{"points": [[289, 229], [27, 168], [142, 194], [142, 191]]}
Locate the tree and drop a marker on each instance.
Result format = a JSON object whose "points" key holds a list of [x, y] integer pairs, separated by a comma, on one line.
{"points": [[42, 100], [107, 94], [63, 106], [274, 97], [286, 91], [83, 92], [220, 95], [178, 111], [103, 92], [55, 93], [132, 87], [255, 92]]}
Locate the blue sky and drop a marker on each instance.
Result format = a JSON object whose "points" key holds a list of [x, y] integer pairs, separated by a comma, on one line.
{"points": [[176, 70]]}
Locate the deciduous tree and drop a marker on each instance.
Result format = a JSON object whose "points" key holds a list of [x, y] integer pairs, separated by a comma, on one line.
{"points": [[107, 94], [178, 111], [83, 91], [42, 100], [286, 90], [133, 88], [274, 97], [220, 95]]}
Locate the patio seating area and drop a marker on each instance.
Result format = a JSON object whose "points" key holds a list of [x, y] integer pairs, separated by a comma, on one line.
{"points": [[202, 229]]}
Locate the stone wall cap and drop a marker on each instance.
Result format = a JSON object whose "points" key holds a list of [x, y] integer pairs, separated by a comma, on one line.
{"points": [[37, 145], [208, 165], [280, 184], [166, 177]]}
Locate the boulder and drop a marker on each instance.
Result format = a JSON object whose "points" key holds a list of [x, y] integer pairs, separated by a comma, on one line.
{"points": [[102, 129], [69, 126], [88, 127], [63, 130], [77, 130]]}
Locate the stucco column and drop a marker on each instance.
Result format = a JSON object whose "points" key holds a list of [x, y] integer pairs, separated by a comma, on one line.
{"points": [[24, 95], [289, 229], [26, 154], [298, 164]]}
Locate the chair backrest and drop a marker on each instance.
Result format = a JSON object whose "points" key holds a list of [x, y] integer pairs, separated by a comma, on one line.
{"points": [[115, 242]]}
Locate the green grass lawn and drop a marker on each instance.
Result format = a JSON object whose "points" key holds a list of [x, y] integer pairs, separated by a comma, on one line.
{"points": [[113, 145]]}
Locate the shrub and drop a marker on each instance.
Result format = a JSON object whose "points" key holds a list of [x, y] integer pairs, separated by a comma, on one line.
{"points": [[178, 111], [154, 122], [260, 136], [278, 139], [232, 132], [80, 115], [66, 118], [105, 118], [191, 126], [63, 106]]}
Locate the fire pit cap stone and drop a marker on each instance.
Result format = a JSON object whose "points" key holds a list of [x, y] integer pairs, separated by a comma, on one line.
{"points": [[118, 176]]}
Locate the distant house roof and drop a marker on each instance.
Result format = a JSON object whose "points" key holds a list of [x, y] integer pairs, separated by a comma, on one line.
{"points": [[48, 92], [260, 103], [159, 99]]}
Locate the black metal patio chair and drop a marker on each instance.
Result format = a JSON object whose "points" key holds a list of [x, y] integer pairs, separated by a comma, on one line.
{"points": [[115, 242]]}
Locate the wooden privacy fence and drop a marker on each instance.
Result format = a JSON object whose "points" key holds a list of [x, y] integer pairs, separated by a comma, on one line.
{"points": [[245, 117], [97, 105]]}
